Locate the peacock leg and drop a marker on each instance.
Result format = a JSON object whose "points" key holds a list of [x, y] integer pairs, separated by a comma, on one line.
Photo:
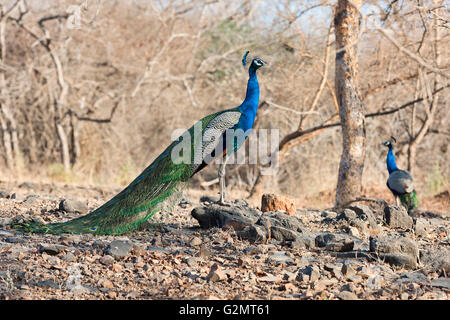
{"points": [[222, 185], [397, 202]]}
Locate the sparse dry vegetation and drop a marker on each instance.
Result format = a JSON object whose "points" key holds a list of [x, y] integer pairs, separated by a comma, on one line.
{"points": [[91, 91]]}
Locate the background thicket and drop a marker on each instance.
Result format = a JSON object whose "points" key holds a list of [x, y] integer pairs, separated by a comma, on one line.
{"points": [[92, 90]]}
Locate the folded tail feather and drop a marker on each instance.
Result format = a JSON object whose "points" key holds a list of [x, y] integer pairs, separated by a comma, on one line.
{"points": [[129, 209], [409, 200]]}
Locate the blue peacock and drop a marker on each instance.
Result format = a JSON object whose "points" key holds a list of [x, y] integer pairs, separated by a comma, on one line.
{"points": [[400, 182], [166, 177]]}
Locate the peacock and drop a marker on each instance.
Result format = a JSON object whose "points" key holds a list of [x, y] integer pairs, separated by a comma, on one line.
{"points": [[400, 182], [156, 187]]}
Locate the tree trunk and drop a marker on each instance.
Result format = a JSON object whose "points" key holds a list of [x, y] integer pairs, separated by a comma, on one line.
{"points": [[7, 143], [351, 110]]}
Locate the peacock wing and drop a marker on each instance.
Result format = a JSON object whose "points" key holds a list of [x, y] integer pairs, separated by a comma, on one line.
{"points": [[401, 181]]}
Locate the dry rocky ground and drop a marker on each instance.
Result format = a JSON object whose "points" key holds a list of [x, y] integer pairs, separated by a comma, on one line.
{"points": [[201, 250]]}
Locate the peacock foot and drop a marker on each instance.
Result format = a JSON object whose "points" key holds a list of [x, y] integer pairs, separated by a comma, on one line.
{"points": [[224, 203]]}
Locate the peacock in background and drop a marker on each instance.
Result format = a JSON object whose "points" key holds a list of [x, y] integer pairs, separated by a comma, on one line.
{"points": [[400, 182], [167, 176]]}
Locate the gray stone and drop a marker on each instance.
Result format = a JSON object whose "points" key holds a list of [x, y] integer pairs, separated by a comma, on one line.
{"points": [[69, 257], [347, 295], [397, 217], [303, 242], [5, 194], [412, 277], [282, 234], [347, 214], [119, 248], [421, 227], [328, 214], [48, 284], [336, 242], [435, 260], [214, 215], [311, 271], [51, 249], [364, 213], [13, 239], [279, 257], [195, 241], [73, 206], [398, 251], [348, 270], [253, 233], [274, 220], [343, 245], [323, 239], [441, 283], [5, 221], [106, 260], [31, 199]]}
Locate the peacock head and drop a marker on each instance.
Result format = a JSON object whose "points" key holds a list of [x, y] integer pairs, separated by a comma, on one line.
{"points": [[390, 142], [256, 62]]}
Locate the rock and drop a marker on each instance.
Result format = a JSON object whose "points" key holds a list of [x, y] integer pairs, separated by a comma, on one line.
{"points": [[441, 283], [347, 214], [272, 202], [421, 227], [216, 274], [282, 234], [336, 242], [31, 200], [435, 260], [253, 233], [27, 185], [69, 257], [348, 270], [323, 239], [312, 272], [214, 215], [251, 250], [289, 276], [270, 278], [346, 295], [282, 220], [343, 245], [5, 221], [398, 251], [157, 249], [282, 227], [48, 284], [412, 277], [303, 241], [13, 239], [195, 241], [329, 214], [5, 194], [334, 269], [106, 260], [353, 231], [350, 287], [397, 217], [279, 257], [73, 206], [364, 213], [119, 248], [51, 249]]}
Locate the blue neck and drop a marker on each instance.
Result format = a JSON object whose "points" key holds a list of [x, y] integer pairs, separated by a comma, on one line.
{"points": [[390, 161], [250, 104]]}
